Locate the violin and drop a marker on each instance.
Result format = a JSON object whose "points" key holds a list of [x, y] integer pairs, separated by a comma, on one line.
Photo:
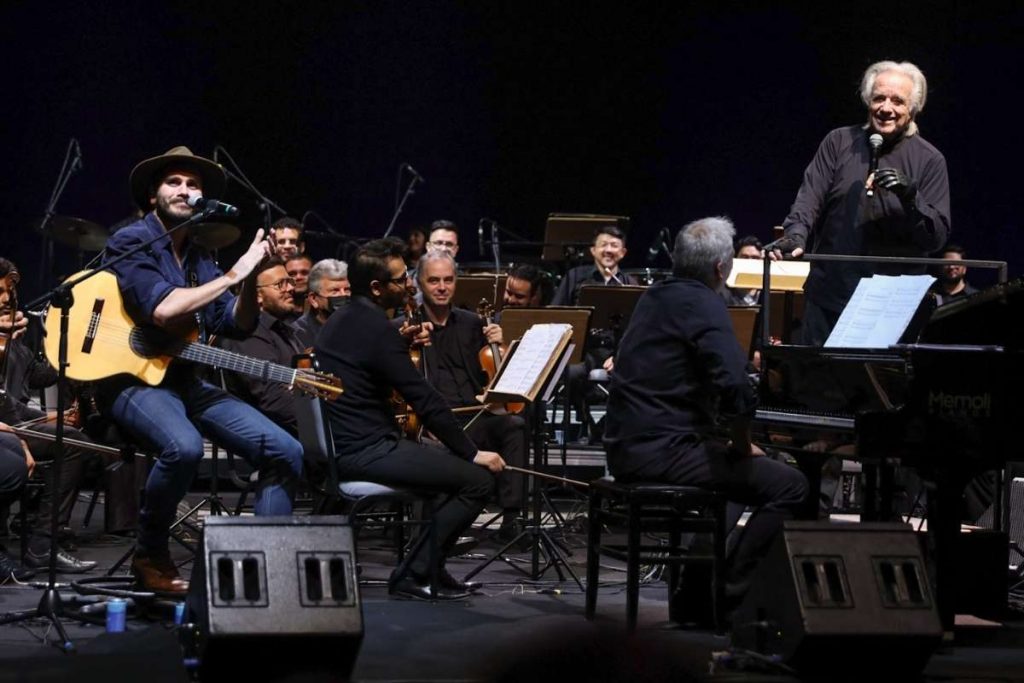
{"points": [[7, 330], [408, 420], [491, 356]]}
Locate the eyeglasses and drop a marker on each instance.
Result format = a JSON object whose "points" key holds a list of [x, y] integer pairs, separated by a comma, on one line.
{"points": [[281, 284], [401, 279]]}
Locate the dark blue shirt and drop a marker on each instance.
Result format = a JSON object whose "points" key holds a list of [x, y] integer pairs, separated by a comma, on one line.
{"points": [[679, 370], [146, 278]]}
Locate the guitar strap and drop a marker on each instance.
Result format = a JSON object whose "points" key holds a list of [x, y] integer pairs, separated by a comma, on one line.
{"points": [[193, 281]]}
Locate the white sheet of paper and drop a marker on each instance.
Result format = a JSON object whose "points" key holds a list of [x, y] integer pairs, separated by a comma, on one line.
{"points": [[532, 355], [879, 311]]}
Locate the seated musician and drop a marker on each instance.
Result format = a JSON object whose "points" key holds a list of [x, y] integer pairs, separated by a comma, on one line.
{"points": [[274, 339], [359, 345], [166, 286], [748, 247], [24, 371], [524, 287], [678, 374], [607, 251], [453, 367], [16, 466], [298, 267], [328, 283], [952, 281]]}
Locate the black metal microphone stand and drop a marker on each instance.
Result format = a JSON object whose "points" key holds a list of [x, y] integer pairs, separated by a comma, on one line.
{"points": [[398, 209], [67, 169], [51, 606], [266, 203]]}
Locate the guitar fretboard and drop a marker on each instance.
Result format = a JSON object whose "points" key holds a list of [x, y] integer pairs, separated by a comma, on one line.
{"points": [[221, 358]]}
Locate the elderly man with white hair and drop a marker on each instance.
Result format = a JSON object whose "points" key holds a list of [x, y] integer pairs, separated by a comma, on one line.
{"points": [[846, 206], [680, 376]]}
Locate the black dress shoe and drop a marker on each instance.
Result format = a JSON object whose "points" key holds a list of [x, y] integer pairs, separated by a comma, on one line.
{"points": [[449, 582], [416, 589], [66, 562], [9, 569]]}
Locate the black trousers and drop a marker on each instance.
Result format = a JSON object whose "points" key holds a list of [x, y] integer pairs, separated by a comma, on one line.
{"points": [[774, 489], [67, 488], [462, 487], [13, 470], [505, 434]]}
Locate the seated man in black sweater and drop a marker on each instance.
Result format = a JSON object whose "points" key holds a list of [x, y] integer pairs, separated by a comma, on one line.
{"points": [[359, 345], [680, 381]]}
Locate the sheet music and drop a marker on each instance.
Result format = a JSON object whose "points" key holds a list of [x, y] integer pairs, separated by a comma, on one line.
{"points": [[532, 356], [879, 311]]}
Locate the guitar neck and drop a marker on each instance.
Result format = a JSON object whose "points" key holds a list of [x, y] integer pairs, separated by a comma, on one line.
{"points": [[236, 362]]}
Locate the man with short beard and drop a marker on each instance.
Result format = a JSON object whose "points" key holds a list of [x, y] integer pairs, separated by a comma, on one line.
{"points": [[170, 286], [274, 340], [952, 283]]}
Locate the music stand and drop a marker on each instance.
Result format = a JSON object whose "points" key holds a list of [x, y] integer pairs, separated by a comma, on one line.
{"points": [[568, 235], [613, 306], [744, 324], [470, 289], [540, 540], [515, 322]]}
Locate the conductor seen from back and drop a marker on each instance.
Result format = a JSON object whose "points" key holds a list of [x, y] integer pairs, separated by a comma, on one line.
{"points": [[680, 403], [842, 207]]}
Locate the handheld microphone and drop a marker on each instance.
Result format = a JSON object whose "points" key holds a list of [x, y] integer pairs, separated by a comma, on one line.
{"points": [[875, 141], [212, 205], [412, 170]]}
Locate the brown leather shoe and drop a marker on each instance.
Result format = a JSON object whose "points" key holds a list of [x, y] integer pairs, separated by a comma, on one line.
{"points": [[158, 574]]}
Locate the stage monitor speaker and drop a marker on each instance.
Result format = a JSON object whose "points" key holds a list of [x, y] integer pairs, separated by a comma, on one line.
{"points": [[835, 598], [277, 595]]}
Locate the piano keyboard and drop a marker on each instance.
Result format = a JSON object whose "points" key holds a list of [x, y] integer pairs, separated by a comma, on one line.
{"points": [[805, 419]]}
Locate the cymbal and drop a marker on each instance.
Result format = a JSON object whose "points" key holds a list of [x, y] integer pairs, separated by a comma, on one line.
{"points": [[215, 235], [76, 233]]}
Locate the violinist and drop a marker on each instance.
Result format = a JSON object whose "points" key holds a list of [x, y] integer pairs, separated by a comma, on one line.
{"points": [[22, 371], [452, 365], [359, 345]]}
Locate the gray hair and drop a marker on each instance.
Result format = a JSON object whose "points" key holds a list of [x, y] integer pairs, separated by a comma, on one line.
{"points": [[327, 269], [918, 94], [430, 257], [702, 245]]}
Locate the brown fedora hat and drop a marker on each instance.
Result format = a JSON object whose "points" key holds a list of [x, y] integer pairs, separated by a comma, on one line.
{"points": [[142, 176]]}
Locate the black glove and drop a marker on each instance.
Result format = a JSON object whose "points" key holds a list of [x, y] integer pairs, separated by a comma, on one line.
{"points": [[897, 182]]}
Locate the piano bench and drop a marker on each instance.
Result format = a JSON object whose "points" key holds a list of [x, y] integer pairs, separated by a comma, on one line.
{"points": [[646, 508]]}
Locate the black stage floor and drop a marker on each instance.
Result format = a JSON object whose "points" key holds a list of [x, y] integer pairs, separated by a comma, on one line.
{"points": [[514, 629]]}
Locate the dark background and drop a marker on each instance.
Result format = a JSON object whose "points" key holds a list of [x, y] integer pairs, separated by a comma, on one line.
{"points": [[664, 112]]}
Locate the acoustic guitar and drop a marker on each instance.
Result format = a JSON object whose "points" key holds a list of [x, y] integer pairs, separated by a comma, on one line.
{"points": [[103, 342]]}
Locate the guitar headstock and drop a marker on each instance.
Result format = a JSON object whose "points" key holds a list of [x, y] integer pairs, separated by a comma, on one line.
{"points": [[319, 384], [310, 381]]}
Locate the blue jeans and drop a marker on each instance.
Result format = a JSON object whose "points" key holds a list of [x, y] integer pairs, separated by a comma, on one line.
{"points": [[173, 420]]}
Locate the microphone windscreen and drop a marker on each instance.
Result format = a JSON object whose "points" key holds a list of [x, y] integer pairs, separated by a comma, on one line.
{"points": [[875, 141]]}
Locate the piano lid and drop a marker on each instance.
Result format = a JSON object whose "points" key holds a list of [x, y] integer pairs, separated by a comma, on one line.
{"points": [[989, 317]]}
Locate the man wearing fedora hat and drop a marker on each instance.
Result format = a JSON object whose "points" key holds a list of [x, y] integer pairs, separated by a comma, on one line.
{"points": [[172, 285]]}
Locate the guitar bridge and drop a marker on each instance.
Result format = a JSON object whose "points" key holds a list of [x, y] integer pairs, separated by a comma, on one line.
{"points": [[94, 324]]}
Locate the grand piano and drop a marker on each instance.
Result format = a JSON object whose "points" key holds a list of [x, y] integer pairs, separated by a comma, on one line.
{"points": [[940, 402]]}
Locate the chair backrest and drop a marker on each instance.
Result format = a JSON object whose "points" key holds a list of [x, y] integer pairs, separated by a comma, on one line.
{"points": [[314, 427]]}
